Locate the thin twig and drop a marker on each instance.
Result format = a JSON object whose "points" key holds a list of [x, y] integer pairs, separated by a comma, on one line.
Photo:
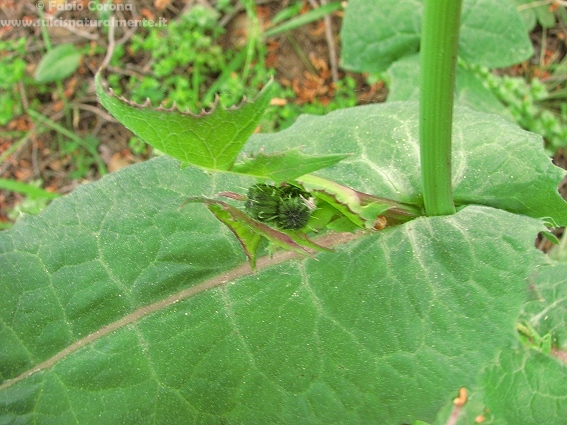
{"points": [[127, 35], [237, 9], [36, 170], [15, 150], [330, 43], [95, 110], [110, 50], [300, 53], [127, 71], [188, 5], [83, 34], [129, 32], [332, 49], [23, 96], [313, 3]]}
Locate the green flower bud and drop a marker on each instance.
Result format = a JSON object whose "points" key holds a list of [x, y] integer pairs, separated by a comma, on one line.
{"points": [[262, 203], [293, 213]]}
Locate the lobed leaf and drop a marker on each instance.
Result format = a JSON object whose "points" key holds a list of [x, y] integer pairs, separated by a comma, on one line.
{"points": [[211, 140]]}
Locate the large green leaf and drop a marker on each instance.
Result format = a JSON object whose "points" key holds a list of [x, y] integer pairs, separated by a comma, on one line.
{"points": [[495, 163], [376, 33], [126, 311], [119, 308], [493, 34]]}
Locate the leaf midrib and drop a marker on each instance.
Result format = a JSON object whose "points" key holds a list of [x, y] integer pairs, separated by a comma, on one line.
{"points": [[329, 241]]}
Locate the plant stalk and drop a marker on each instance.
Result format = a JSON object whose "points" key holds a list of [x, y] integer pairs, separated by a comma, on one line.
{"points": [[439, 46]]}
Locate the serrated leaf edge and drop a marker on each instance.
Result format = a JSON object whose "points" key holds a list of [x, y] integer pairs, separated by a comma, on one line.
{"points": [[147, 105]]}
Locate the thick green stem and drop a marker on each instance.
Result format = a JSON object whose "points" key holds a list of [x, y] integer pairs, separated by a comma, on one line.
{"points": [[439, 45]]}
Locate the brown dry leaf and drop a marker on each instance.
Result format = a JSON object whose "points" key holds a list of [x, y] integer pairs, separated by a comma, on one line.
{"points": [[368, 96], [161, 4], [70, 88], [20, 124], [118, 161], [325, 74], [273, 45], [272, 56], [271, 60], [303, 96], [317, 82], [263, 13], [479, 419], [319, 29], [542, 74], [23, 172], [29, 20], [318, 63], [7, 3], [278, 101], [57, 106], [5, 30], [147, 13], [56, 165], [52, 188], [309, 89]]}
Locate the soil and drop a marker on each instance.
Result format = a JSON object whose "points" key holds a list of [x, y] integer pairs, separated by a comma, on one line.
{"points": [[300, 58]]}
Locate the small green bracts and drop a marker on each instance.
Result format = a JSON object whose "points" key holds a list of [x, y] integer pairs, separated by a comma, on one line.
{"points": [[287, 207]]}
